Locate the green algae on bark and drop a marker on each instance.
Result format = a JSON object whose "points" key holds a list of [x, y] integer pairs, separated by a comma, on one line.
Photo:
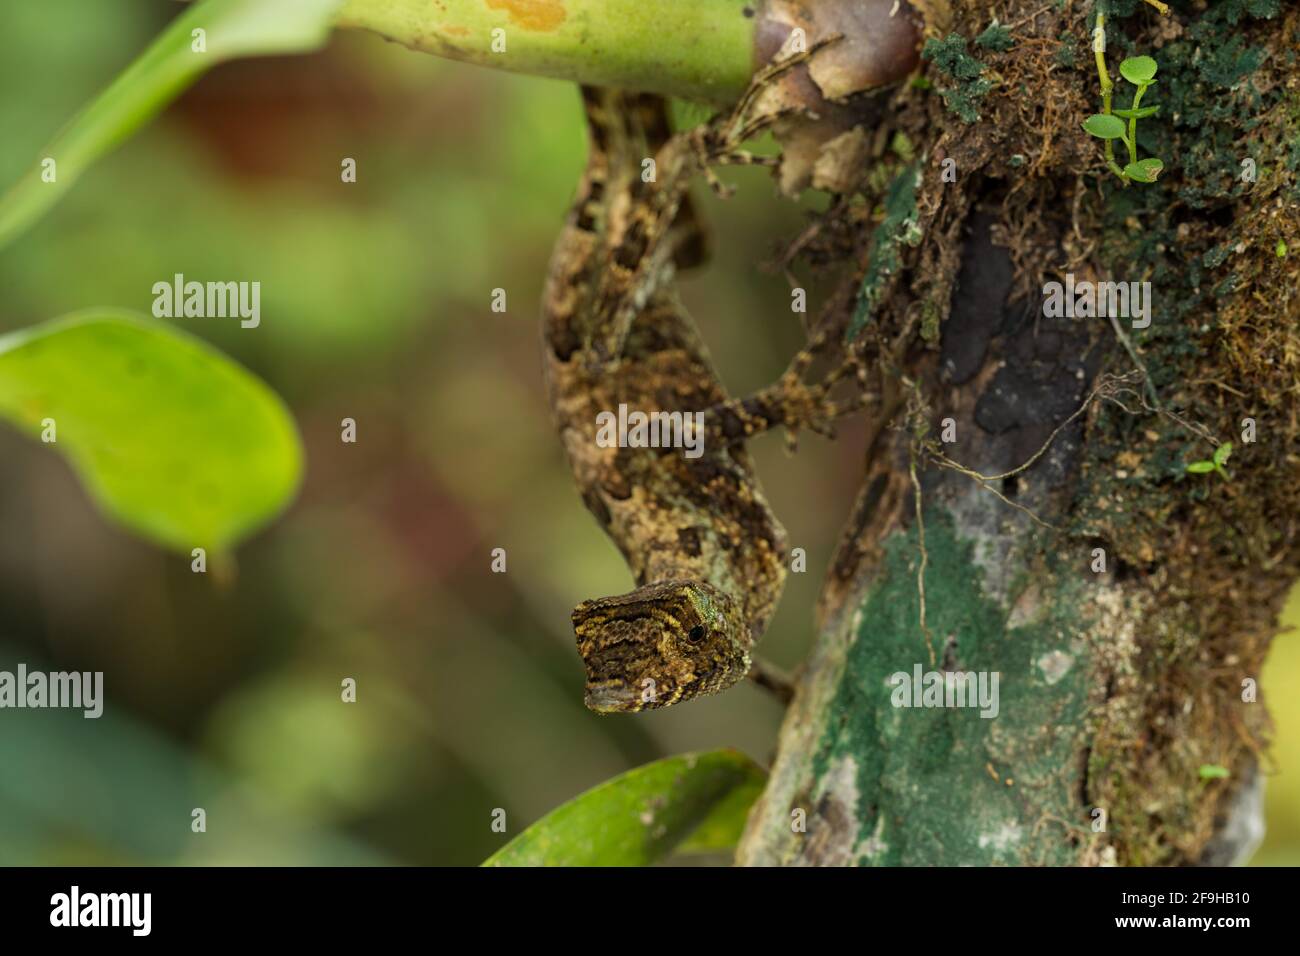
{"points": [[945, 786]]}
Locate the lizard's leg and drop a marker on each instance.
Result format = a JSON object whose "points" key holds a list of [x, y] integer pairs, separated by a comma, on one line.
{"points": [[739, 126], [791, 402], [734, 158], [787, 403]]}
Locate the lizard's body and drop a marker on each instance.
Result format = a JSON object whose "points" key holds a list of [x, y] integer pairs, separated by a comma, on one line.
{"points": [[697, 533]]}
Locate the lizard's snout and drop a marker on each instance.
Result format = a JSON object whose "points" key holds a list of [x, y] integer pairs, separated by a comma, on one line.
{"points": [[610, 698]]}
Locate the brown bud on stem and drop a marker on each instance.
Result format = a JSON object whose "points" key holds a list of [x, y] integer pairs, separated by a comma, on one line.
{"points": [[823, 101]]}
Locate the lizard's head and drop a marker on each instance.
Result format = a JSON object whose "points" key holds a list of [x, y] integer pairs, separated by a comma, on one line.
{"points": [[660, 644]]}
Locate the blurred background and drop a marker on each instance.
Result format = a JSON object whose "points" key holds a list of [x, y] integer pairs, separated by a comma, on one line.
{"points": [[375, 306]]}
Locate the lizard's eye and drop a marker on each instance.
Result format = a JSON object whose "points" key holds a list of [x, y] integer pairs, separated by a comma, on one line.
{"points": [[696, 634]]}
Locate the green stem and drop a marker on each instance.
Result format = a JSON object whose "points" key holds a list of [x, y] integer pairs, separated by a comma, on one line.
{"points": [[1133, 124], [1099, 54], [697, 49]]}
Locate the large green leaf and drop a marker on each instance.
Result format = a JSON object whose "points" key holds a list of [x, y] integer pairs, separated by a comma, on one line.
{"points": [[232, 29], [642, 815], [169, 437]]}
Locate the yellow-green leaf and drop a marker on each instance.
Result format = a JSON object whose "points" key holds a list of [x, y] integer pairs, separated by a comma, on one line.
{"points": [[1145, 170], [1104, 126], [1142, 112], [169, 436], [642, 815], [1138, 70]]}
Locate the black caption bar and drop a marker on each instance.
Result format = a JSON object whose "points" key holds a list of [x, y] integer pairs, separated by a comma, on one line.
{"points": [[368, 905]]}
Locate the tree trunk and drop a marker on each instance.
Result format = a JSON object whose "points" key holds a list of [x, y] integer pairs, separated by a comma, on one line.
{"points": [[1124, 603]]}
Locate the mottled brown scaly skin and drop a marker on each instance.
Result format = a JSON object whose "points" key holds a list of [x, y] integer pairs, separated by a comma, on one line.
{"points": [[662, 643], [698, 535]]}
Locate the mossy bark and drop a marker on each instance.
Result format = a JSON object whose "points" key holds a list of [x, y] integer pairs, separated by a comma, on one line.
{"points": [[1120, 688]]}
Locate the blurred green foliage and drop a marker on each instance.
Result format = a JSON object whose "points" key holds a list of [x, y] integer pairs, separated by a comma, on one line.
{"points": [[374, 307], [169, 436], [207, 33]]}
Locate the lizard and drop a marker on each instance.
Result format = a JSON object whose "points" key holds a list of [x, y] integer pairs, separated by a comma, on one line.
{"points": [[705, 549]]}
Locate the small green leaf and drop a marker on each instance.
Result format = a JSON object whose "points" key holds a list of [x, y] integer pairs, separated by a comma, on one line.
{"points": [[1200, 467], [1280, 249], [640, 816], [232, 29], [1212, 771], [168, 436], [1144, 170], [1223, 453], [1142, 112], [1138, 70], [1104, 126]]}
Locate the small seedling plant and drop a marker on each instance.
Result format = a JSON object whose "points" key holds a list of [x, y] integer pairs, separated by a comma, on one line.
{"points": [[1121, 124], [1221, 455]]}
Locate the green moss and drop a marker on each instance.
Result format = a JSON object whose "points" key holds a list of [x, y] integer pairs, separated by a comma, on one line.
{"points": [[903, 147], [996, 38], [1209, 105], [950, 56], [1215, 256], [1209, 102], [1067, 51], [1230, 62], [899, 227], [931, 318], [1120, 8], [1232, 11], [932, 783]]}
